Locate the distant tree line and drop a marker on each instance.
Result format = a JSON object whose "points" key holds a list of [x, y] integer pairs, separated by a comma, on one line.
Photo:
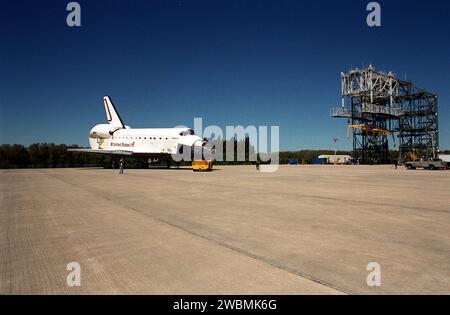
{"points": [[49, 155]]}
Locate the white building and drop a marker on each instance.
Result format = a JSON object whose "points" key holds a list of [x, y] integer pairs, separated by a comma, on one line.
{"points": [[445, 157], [336, 159]]}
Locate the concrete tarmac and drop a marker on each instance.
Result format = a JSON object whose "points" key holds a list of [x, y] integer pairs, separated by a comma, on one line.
{"points": [[301, 230]]}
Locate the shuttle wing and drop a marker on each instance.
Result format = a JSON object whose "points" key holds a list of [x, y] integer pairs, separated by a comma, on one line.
{"points": [[106, 152]]}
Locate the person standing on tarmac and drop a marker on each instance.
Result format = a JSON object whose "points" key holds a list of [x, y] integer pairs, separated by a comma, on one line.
{"points": [[121, 166]]}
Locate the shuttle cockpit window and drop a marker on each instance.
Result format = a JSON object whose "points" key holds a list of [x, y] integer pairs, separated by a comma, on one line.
{"points": [[188, 132]]}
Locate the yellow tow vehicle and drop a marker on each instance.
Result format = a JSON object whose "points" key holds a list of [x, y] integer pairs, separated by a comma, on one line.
{"points": [[202, 166]]}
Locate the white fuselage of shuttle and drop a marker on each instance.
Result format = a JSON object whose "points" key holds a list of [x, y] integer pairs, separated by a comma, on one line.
{"points": [[143, 141]]}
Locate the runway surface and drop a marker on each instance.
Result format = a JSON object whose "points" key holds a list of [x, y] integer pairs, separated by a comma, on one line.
{"points": [[301, 230]]}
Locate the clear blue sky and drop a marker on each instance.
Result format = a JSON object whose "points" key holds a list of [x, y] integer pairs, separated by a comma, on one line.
{"points": [[231, 62]]}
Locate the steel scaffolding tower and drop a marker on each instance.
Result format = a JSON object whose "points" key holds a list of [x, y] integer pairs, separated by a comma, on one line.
{"points": [[378, 107]]}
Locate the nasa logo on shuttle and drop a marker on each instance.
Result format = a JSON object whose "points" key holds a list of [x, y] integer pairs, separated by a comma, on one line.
{"points": [[127, 145]]}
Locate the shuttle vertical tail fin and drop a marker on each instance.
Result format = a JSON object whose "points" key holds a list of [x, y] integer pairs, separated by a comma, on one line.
{"points": [[112, 115]]}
